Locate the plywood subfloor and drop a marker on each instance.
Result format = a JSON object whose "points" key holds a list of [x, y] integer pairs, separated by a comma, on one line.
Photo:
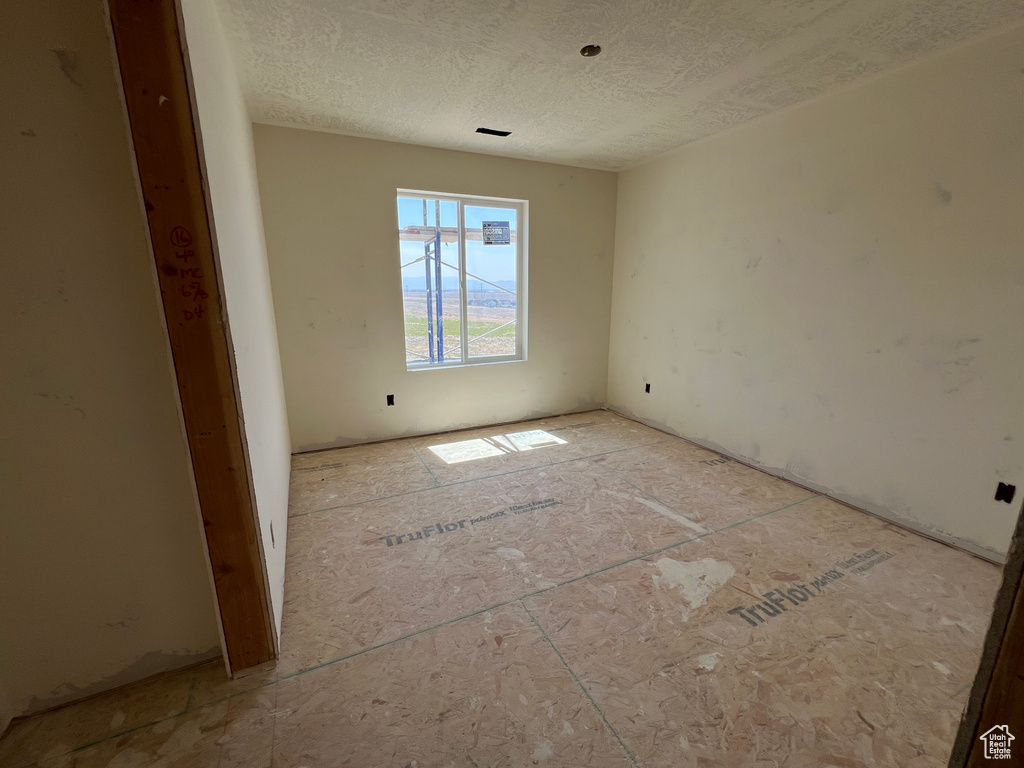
{"points": [[612, 596]]}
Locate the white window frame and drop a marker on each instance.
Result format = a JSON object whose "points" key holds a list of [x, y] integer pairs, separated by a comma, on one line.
{"points": [[522, 237]]}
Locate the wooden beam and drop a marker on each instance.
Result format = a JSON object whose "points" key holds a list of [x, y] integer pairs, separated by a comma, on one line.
{"points": [[149, 52], [997, 697]]}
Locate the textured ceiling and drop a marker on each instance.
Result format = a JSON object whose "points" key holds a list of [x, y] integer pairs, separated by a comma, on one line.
{"points": [[432, 71]]}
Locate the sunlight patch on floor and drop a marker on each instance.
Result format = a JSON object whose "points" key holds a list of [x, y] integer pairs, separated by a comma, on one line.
{"points": [[485, 447]]}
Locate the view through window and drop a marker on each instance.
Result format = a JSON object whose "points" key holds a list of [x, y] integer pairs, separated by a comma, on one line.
{"points": [[463, 278]]}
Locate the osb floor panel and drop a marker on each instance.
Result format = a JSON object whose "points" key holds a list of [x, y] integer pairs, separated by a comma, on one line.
{"points": [[345, 476], [622, 598]]}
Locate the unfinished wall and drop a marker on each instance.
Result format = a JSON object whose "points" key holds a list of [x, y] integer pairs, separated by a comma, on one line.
{"points": [[101, 556], [330, 216], [226, 136], [835, 291]]}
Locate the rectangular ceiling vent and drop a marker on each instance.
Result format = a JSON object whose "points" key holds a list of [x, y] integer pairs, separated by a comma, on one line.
{"points": [[492, 132]]}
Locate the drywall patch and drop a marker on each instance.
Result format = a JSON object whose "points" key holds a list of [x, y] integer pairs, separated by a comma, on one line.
{"points": [[695, 581]]}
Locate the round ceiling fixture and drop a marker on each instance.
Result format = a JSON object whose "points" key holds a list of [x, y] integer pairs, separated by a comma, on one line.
{"points": [[590, 50]]}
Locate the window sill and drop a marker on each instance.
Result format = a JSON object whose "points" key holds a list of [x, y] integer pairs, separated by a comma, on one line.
{"points": [[459, 364]]}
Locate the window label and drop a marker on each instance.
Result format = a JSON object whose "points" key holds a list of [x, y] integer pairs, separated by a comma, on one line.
{"points": [[497, 233]]}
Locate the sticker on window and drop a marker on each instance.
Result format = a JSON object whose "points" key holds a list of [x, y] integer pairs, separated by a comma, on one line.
{"points": [[497, 233]]}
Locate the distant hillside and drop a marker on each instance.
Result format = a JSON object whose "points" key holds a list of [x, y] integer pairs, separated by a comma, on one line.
{"points": [[451, 283]]}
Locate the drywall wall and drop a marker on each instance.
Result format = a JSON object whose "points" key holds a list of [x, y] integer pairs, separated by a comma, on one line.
{"points": [[834, 292], [227, 151], [329, 212], [102, 562]]}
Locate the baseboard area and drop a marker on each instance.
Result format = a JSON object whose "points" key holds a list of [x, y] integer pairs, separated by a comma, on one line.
{"points": [[985, 553], [460, 428]]}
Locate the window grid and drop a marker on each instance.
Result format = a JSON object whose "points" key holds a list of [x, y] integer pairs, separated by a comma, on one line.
{"points": [[438, 339]]}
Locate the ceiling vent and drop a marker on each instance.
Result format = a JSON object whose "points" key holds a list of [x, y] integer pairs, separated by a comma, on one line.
{"points": [[492, 132]]}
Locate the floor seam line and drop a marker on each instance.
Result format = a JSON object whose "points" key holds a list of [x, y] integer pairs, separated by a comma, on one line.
{"points": [[658, 551], [191, 689], [534, 593], [615, 474], [150, 724], [273, 726], [114, 736], [650, 495], [424, 463], [764, 514], [224, 733], [417, 633], [583, 690], [464, 482], [504, 603], [429, 629]]}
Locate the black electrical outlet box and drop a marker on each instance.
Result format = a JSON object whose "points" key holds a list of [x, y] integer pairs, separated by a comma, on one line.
{"points": [[1005, 492]]}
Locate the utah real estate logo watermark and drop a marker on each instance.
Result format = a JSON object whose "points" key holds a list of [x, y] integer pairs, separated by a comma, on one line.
{"points": [[997, 742]]}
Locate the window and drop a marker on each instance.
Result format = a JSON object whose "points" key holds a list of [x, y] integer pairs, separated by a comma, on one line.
{"points": [[463, 264]]}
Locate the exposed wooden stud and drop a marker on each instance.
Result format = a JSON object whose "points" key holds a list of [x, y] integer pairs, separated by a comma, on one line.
{"points": [[997, 697], [153, 73]]}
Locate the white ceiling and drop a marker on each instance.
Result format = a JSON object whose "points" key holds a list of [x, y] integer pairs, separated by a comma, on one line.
{"points": [[432, 71]]}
